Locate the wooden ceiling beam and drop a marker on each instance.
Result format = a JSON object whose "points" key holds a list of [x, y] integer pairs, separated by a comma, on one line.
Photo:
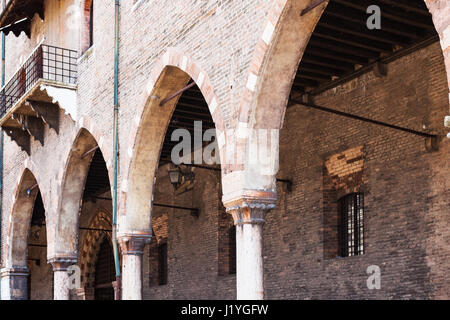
{"points": [[371, 45], [410, 20], [340, 48]]}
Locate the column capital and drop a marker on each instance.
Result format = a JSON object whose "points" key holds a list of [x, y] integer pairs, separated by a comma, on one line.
{"points": [[133, 244], [62, 263], [14, 271], [250, 207]]}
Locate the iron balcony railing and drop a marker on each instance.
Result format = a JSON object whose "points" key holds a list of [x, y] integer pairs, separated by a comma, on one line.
{"points": [[46, 62]]}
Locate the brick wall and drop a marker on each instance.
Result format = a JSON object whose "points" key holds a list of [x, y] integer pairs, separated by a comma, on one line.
{"points": [[406, 198], [407, 191]]}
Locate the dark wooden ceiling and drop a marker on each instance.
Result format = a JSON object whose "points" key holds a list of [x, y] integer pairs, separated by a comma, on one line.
{"points": [[97, 181], [191, 107], [17, 10], [340, 49], [342, 45]]}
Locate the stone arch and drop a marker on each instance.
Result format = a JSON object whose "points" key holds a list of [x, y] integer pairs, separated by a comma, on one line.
{"points": [[76, 168], [275, 60], [171, 73], [20, 218]]}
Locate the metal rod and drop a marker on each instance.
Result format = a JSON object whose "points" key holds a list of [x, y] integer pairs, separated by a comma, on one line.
{"points": [[311, 6], [37, 245], [118, 295], [94, 229], [1, 143], [31, 189], [353, 116], [177, 93], [287, 181], [201, 167], [194, 211], [89, 151], [173, 207], [81, 228]]}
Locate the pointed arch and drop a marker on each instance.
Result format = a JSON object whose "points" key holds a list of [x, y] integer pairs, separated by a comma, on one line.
{"points": [[280, 50], [25, 195], [171, 73], [65, 241]]}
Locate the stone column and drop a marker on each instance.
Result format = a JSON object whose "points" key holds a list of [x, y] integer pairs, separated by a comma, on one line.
{"points": [[61, 290], [249, 216], [14, 283], [132, 250]]}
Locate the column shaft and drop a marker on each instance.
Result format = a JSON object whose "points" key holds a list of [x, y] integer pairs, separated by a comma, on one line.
{"points": [[249, 269], [61, 285], [132, 251], [132, 277], [249, 214]]}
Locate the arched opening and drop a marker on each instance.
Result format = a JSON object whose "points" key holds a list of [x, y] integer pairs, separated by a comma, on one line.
{"points": [[178, 187], [40, 279], [366, 109], [30, 276], [85, 211], [104, 272], [95, 233], [187, 209]]}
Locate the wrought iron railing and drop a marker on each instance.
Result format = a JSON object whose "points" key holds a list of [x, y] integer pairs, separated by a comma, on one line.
{"points": [[45, 62]]}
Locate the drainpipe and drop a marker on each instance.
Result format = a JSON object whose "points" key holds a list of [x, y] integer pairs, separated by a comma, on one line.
{"points": [[1, 152], [116, 150]]}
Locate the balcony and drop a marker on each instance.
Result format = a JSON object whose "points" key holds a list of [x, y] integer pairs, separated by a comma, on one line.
{"points": [[31, 99]]}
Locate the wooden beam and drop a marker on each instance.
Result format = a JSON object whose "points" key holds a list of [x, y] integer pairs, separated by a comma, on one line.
{"points": [[411, 20], [33, 125], [343, 48], [355, 16], [343, 66], [20, 137], [326, 33], [353, 29], [408, 6], [48, 112], [324, 53]]}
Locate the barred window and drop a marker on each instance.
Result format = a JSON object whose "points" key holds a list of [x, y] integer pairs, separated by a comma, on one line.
{"points": [[352, 225]]}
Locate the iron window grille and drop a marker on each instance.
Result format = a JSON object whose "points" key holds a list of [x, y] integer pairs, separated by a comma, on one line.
{"points": [[351, 225]]}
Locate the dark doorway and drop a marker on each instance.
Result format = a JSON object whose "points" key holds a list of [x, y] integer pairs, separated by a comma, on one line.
{"points": [[104, 272]]}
